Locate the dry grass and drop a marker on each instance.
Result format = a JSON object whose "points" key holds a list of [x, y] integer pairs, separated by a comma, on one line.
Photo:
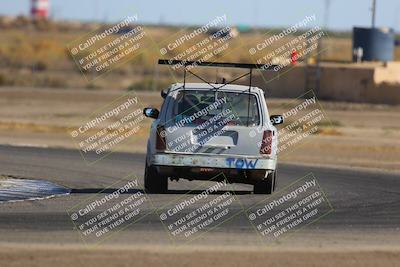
{"points": [[39, 57]]}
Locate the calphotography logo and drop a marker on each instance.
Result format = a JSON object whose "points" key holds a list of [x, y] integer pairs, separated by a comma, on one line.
{"points": [[110, 211], [198, 212], [106, 48], [202, 44], [108, 128], [303, 118], [299, 204]]}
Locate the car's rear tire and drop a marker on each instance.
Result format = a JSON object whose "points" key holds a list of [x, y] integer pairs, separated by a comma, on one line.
{"points": [[154, 182], [266, 186]]}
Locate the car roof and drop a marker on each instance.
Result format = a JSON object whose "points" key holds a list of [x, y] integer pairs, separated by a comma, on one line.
{"points": [[224, 87]]}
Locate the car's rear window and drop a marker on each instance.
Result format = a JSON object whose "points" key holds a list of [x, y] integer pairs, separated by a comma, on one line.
{"points": [[197, 106]]}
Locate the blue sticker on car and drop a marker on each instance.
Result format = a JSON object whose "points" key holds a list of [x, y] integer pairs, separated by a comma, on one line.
{"points": [[239, 163]]}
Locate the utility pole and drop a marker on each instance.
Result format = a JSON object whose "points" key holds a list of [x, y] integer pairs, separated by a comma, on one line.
{"points": [[373, 10], [324, 27], [319, 50]]}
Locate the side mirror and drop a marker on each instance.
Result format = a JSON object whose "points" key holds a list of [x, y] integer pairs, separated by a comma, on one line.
{"points": [[151, 112], [276, 119], [164, 93]]}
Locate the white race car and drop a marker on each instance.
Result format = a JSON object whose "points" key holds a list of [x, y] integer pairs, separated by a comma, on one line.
{"points": [[205, 129]]}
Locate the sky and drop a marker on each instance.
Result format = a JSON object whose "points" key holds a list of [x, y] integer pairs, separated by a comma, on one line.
{"points": [[342, 15]]}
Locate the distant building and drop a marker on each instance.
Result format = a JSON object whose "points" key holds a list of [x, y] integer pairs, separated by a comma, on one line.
{"points": [[40, 8]]}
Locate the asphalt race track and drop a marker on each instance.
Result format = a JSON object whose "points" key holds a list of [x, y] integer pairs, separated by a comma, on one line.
{"points": [[366, 204]]}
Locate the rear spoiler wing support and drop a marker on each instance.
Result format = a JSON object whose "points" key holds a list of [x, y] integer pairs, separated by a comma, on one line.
{"points": [[249, 66]]}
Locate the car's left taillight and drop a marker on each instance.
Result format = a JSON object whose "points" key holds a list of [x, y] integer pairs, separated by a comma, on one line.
{"points": [[160, 138], [266, 144]]}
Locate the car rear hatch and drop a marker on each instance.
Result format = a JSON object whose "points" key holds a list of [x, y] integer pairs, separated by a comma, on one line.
{"points": [[214, 122]]}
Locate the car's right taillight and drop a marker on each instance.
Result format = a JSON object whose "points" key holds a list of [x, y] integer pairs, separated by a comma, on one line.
{"points": [[160, 138], [266, 144]]}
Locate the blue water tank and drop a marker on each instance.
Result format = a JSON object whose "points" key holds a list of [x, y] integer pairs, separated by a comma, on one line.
{"points": [[377, 43]]}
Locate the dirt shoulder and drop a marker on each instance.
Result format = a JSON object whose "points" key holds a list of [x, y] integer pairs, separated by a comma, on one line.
{"points": [[16, 256]]}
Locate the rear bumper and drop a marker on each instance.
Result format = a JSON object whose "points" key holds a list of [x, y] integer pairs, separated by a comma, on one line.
{"points": [[237, 162]]}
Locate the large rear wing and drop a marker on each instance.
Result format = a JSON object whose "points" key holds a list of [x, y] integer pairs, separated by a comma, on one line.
{"points": [[216, 64], [185, 64]]}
